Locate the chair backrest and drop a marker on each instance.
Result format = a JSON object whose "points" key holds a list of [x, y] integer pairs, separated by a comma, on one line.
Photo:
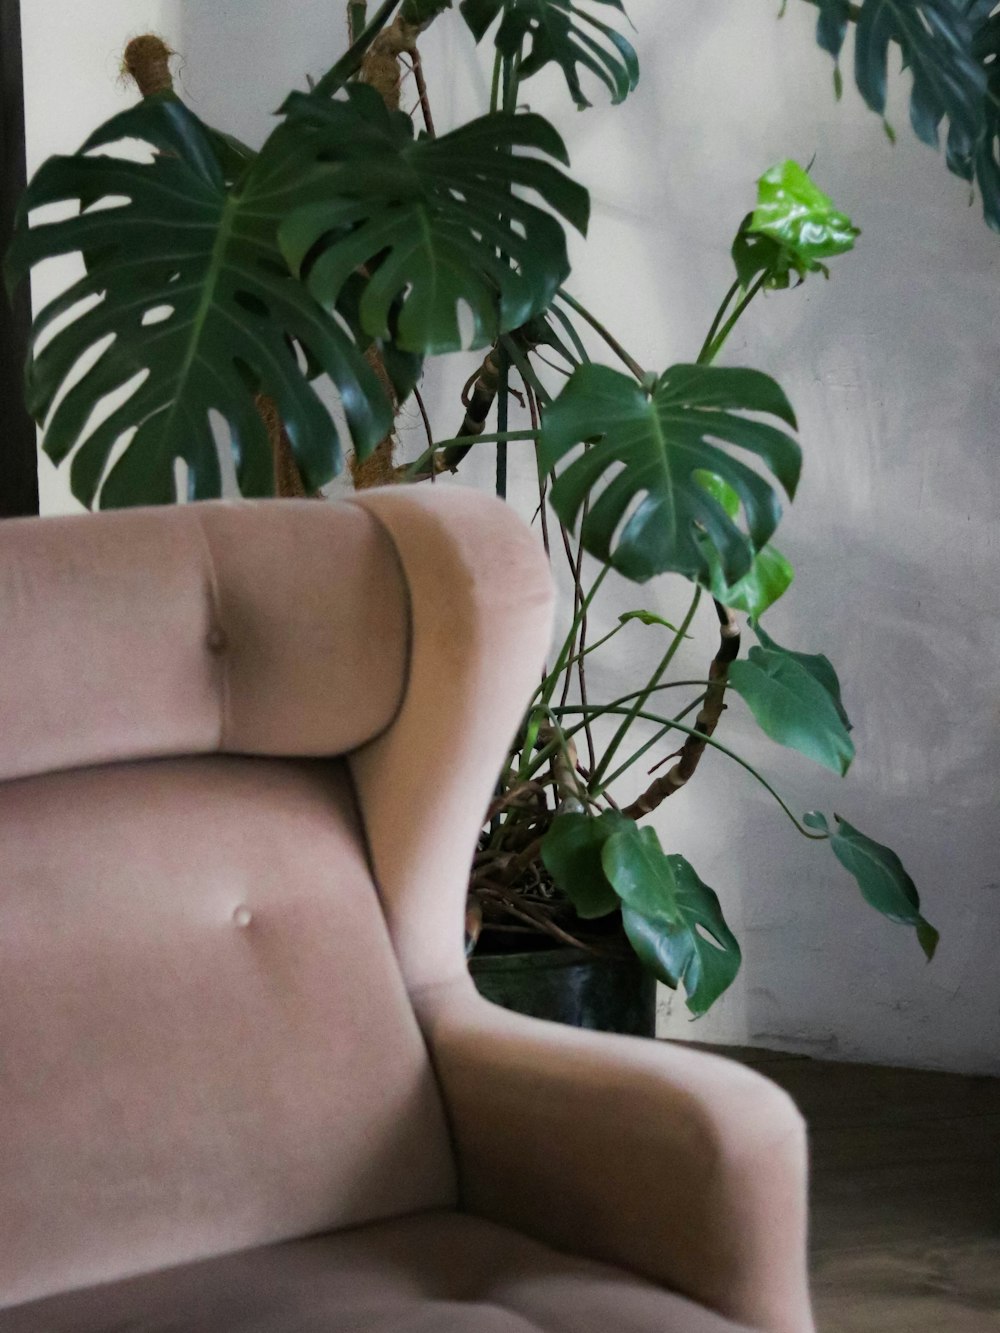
{"points": [[205, 1040]]}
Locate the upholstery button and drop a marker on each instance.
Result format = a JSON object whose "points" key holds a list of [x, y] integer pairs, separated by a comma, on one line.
{"points": [[217, 641], [242, 916]]}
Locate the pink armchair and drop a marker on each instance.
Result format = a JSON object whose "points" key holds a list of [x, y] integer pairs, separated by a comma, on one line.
{"points": [[245, 1081]]}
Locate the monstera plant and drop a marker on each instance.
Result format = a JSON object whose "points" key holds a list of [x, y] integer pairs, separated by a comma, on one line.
{"points": [[221, 288]]}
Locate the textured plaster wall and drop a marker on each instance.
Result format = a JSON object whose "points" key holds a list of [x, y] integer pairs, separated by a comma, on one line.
{"points": [[892, 367]]}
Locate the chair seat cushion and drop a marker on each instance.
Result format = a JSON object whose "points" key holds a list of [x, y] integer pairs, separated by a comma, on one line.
{"points": [[430, 1273]]}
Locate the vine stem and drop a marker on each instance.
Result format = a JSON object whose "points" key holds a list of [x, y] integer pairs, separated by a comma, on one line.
{"points": [[495, 437], [543, 695], [644, 694], [625, 357], [670, 724], [597, 710], [727, 300], [712, 348]]}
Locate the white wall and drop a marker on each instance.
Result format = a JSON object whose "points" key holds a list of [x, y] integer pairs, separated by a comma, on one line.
{"points": [[892, 369]]}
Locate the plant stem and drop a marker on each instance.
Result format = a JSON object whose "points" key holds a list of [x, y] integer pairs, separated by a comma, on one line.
{"points": [[644, 694], [543, 481], [349, 62], [357, 13], [729, 297], [593, 647], [548, 686], [503, 418], [706, 722], [598, 710], [577, 603], [495, 83], [496, 437], [648, 745], [416, 64], [711, 350], [539, 706], [606, 334], [669, 724]]}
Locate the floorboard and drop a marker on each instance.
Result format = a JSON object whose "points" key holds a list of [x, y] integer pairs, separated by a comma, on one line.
{"points": [[905, 1191]]}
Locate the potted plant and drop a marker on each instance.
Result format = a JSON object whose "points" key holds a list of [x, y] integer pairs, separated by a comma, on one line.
{"points": [[353, 245]]}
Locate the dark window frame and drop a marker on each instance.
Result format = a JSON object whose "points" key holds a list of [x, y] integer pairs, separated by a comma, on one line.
{"points": [[18, 439]]}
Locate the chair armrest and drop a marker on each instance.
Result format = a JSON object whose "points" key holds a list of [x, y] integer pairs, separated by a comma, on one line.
{"points": [[685, 1167], [480, 602]]}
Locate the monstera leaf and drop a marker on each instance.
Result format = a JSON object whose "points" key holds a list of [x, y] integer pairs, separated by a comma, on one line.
{"points": [[673, 920], [880, 875], [571, 853], [768, 578], [435, 222], [185, 279], [565, 32], [656, 443], [935, 40], [985, 161], [795, 699], [946, 45]]}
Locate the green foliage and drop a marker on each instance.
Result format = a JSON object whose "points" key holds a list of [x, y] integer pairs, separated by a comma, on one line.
{"points": [[984, 161], [818, 665], [792, 230], [182, 243], [947, 46], [881, 877], [438, 222], [649, 618], [795, 702], [343, 185], [768, 578], [571, 853], [673, 920], [560, 32], [213, 274], [660, 439]]}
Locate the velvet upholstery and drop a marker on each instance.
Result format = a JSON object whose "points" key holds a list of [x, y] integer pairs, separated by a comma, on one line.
{"points": [[245, 752], [432, 1273]]}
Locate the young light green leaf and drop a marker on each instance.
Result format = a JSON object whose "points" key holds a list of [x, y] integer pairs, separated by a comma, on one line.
{"points": [[200, 303], [883, 881], [792, 230], [792, 707], [440, 224], [674, 921], [571, 853], [662, 441], [567, 33], [769, 577]]}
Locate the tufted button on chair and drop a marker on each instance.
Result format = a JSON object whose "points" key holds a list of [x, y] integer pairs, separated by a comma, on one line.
{"points": [[245, 1082]]}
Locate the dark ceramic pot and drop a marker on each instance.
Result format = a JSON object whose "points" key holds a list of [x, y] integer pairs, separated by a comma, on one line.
{"points": [[608, 991]]}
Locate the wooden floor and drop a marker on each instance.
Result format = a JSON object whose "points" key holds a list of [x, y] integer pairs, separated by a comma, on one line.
{"points": [[906, 1195]]}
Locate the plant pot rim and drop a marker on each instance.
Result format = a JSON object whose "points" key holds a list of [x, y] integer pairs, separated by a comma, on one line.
{"points": [[561, 955]]}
